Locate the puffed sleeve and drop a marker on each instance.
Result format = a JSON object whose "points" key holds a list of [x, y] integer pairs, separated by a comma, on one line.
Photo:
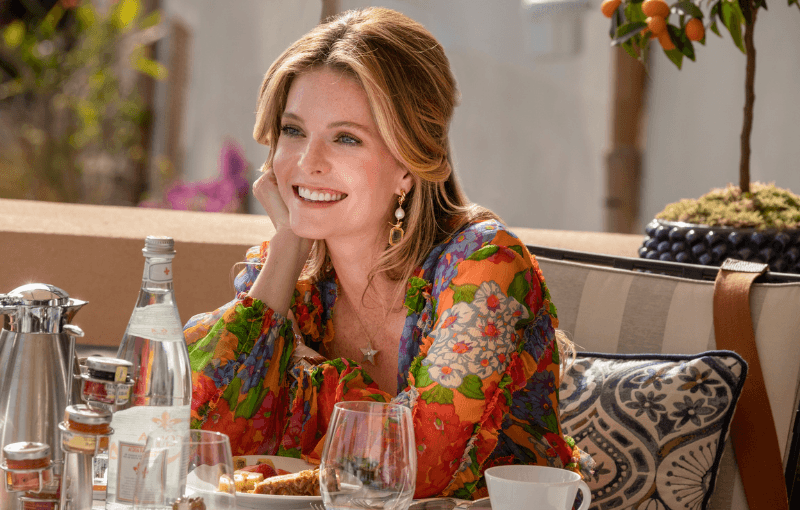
{"points": [[240, 355], [492, 333]]}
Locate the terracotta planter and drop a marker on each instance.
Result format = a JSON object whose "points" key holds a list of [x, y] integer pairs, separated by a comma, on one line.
{"points": [[710, 246]]}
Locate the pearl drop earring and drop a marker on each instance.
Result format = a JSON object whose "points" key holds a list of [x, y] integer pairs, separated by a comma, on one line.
{"points": [[397, 232]]}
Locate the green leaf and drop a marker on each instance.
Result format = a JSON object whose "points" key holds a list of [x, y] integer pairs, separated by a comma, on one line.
{"points": [[150, 67], [732, 18], [86, 15], [465, 293], [628, 30], [471, 387], [484, 253], [714, 28], [438, 394], [14, 34], [125, 12], [683, 44], [519, 287], [686, 7], [151, 20], [628, 47], [675, 56], [633, 12], [47, 27], [421, 377]]}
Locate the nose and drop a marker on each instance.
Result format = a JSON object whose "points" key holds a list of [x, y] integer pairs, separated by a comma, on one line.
{"points": [[314, 158]]}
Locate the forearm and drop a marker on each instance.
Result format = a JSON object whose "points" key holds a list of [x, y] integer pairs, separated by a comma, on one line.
{"points": [[285, 260]]}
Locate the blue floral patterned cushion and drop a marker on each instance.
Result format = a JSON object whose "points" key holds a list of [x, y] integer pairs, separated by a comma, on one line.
{"points": [[655, 424]]}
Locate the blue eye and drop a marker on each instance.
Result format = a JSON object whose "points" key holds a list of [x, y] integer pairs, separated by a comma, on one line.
{"points": [[290, 131], [348, 139]]}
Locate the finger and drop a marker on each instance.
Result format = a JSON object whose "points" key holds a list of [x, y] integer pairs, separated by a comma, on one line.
{"points": [[270, 174]]}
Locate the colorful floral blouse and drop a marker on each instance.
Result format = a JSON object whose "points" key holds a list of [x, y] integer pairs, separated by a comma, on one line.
{"points": [[478, 366]]}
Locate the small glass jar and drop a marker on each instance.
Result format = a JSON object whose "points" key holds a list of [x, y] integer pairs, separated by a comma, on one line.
{"points": [[85, 429], [48, 499], [28, 466], [106, 380]]}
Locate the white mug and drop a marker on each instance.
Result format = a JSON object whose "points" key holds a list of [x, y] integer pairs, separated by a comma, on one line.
{"points": [[539, 487]]}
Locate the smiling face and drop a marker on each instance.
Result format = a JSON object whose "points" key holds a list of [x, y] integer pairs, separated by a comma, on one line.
{"points": [[334, 170]]}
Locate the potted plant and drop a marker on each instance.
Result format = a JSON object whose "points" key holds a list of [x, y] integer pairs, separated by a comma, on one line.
{"points": [[71, 117], [751, 221]]}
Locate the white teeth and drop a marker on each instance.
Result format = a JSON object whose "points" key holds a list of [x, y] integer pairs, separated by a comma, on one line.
{"points": [[319, 197]]}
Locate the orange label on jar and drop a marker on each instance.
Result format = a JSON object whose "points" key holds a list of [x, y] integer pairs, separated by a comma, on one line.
{"points": [[83, 444]]}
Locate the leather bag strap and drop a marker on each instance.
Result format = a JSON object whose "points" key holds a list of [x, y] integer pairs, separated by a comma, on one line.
{"points": [[755, 441]]}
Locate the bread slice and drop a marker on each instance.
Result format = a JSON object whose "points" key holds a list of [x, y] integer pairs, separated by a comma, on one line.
{"points": [[303, 483]]}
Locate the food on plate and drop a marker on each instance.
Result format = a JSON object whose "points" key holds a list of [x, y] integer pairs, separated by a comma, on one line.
{"points": [[303, 483], [264, 478], [240, 463], [266, 470]]}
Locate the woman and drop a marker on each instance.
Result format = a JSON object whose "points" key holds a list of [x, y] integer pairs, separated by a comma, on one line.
{"points": [[378, 256]]}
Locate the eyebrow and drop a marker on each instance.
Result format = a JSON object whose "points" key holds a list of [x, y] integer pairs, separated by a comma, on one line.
{"points": [[340, 123]]}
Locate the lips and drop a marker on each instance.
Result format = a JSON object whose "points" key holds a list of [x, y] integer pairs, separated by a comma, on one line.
{"points": [[322, 196]]}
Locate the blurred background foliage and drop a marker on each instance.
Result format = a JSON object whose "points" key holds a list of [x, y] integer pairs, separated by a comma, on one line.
{"points": [[73, 116]]}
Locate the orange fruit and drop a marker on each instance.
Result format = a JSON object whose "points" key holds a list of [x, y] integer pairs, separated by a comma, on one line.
{"points": [[652, 8], [666, 42], [695, 30], [609, 7], [657, 25]]}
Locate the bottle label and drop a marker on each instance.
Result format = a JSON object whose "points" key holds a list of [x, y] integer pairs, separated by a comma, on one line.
{"points": [[159, 272], [131, 429], [156, 322]]}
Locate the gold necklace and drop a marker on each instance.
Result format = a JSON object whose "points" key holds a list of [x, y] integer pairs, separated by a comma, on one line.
{"points": [[368, 352]]}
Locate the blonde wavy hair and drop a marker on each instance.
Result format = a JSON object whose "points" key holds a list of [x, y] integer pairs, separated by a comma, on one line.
{"points": [[412, 94]]}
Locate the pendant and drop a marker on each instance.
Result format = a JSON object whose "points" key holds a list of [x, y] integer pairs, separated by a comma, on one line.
{"points": [[369, 354]]}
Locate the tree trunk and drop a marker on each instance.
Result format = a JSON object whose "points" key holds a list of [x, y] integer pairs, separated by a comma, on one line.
{"points": [[749, 100]]}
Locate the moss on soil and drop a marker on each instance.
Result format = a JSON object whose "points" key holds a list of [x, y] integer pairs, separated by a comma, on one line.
{"points": [[765, 207]]}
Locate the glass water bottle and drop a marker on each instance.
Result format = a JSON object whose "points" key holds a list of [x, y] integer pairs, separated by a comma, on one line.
{"points": [[162, 391]]}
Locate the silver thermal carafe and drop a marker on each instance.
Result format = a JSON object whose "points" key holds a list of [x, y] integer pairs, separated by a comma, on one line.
{"points": [[38, 369]]}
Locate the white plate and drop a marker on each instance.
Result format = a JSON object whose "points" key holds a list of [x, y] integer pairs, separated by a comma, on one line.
{"points": [[269, 501]]}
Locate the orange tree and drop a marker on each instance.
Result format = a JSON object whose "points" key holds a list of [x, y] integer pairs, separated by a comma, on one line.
{"points": [[635, 22]]}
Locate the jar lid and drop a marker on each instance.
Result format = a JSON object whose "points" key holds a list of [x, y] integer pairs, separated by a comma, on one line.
{"points": [[87, 415], [26, 451], [119, 368]]}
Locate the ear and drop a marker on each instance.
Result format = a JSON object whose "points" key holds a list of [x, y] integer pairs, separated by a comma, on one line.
{"points": [[406, 182]]}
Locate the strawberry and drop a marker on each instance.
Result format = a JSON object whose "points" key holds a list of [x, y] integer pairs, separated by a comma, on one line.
{"points": [[265, 469]]}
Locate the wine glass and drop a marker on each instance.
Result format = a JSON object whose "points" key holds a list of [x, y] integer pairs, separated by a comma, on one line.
{"points": [[369, 459], [197, 465]]}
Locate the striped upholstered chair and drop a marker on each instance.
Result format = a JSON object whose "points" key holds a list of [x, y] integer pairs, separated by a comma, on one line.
{"points": [[654, 394]]}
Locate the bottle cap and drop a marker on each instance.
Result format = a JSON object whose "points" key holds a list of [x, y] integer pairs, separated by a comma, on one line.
{"points": [[158, 245], [26, 451], [111, 369], [86, 415]]}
